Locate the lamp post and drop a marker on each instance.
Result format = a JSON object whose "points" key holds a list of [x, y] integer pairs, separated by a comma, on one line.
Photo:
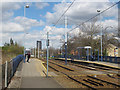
{"points": [[101, 34], [27, 6]]}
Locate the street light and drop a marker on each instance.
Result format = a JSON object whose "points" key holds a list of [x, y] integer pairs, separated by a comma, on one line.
{"points": [[101, 34], [27, 6]]}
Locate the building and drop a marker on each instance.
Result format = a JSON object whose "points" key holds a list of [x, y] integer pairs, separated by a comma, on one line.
{"points": [[113, 50], [39, 44]]}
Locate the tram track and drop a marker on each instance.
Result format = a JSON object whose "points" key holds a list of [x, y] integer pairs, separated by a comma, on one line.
{"points": [[87, 81], [94, 67]]}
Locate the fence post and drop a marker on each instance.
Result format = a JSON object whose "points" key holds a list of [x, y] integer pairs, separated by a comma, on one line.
{"points": [[6, 65], [98, 54], [110, 59], [105, 58], [115, 59]]}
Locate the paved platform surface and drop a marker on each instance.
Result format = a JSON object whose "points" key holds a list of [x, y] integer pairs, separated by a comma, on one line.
{"points": [[34, 77]]}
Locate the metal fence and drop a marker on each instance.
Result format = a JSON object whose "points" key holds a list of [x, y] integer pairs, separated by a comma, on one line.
{"points": [[9, 68], [110, 59]]}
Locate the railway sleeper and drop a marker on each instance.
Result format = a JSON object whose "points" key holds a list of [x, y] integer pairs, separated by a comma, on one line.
{"points": [[118, 75], [81, 83], [74, 79], [90, 82], [62, 66], [108, 67], [100, 67], [103, 81], [52, 68], [86, 67], [95, 82], [89, 65], [112, 76]]}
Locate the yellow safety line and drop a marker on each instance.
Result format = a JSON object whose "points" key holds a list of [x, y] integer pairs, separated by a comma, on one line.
{"points": [[45, 68]]}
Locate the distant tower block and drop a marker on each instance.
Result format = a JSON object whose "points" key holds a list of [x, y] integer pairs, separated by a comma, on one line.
{"points": [[40, 44]]}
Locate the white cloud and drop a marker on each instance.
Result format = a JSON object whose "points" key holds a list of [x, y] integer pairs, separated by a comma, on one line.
{"points": [[41, 5], [6, 16], [110, 25], [7, 10], [12, 27], [20, 24], [110, 22], [79, 12], [28, 22], [10, 6]]}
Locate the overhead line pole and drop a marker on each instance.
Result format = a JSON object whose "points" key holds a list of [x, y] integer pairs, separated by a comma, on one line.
{"points": [[65, 40], [47, 44]]}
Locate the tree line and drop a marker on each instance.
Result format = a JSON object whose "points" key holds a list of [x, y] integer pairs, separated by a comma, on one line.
{"points": [[11, 50]]}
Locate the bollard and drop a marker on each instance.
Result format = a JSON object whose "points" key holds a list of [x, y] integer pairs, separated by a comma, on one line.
{"points": [[6, 69]]}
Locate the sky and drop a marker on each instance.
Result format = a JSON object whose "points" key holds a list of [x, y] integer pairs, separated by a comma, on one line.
{"points": [[40, 17]]}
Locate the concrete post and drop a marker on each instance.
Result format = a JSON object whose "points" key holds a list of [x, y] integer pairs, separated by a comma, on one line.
{"points": [[6, 69]]}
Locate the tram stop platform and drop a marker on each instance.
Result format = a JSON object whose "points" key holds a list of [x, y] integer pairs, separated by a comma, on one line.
{"points": [[107, 64], [33, 75]]}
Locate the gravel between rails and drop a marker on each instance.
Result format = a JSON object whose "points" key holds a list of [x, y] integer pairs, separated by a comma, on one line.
{"points": [[67, 78]]}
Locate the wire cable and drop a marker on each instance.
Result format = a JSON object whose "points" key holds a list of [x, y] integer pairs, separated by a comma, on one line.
{"points": [[95, 16], [64, 13]]}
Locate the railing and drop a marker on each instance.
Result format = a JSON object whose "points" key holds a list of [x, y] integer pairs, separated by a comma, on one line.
{"points": [[9, 68], [110, 59]]}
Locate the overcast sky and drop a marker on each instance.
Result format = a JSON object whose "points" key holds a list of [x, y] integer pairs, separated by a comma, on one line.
{"points": [[40, 17]]}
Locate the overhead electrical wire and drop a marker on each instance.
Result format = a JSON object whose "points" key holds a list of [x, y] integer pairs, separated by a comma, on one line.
{"points": [[94, 16], [64, 13]]}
